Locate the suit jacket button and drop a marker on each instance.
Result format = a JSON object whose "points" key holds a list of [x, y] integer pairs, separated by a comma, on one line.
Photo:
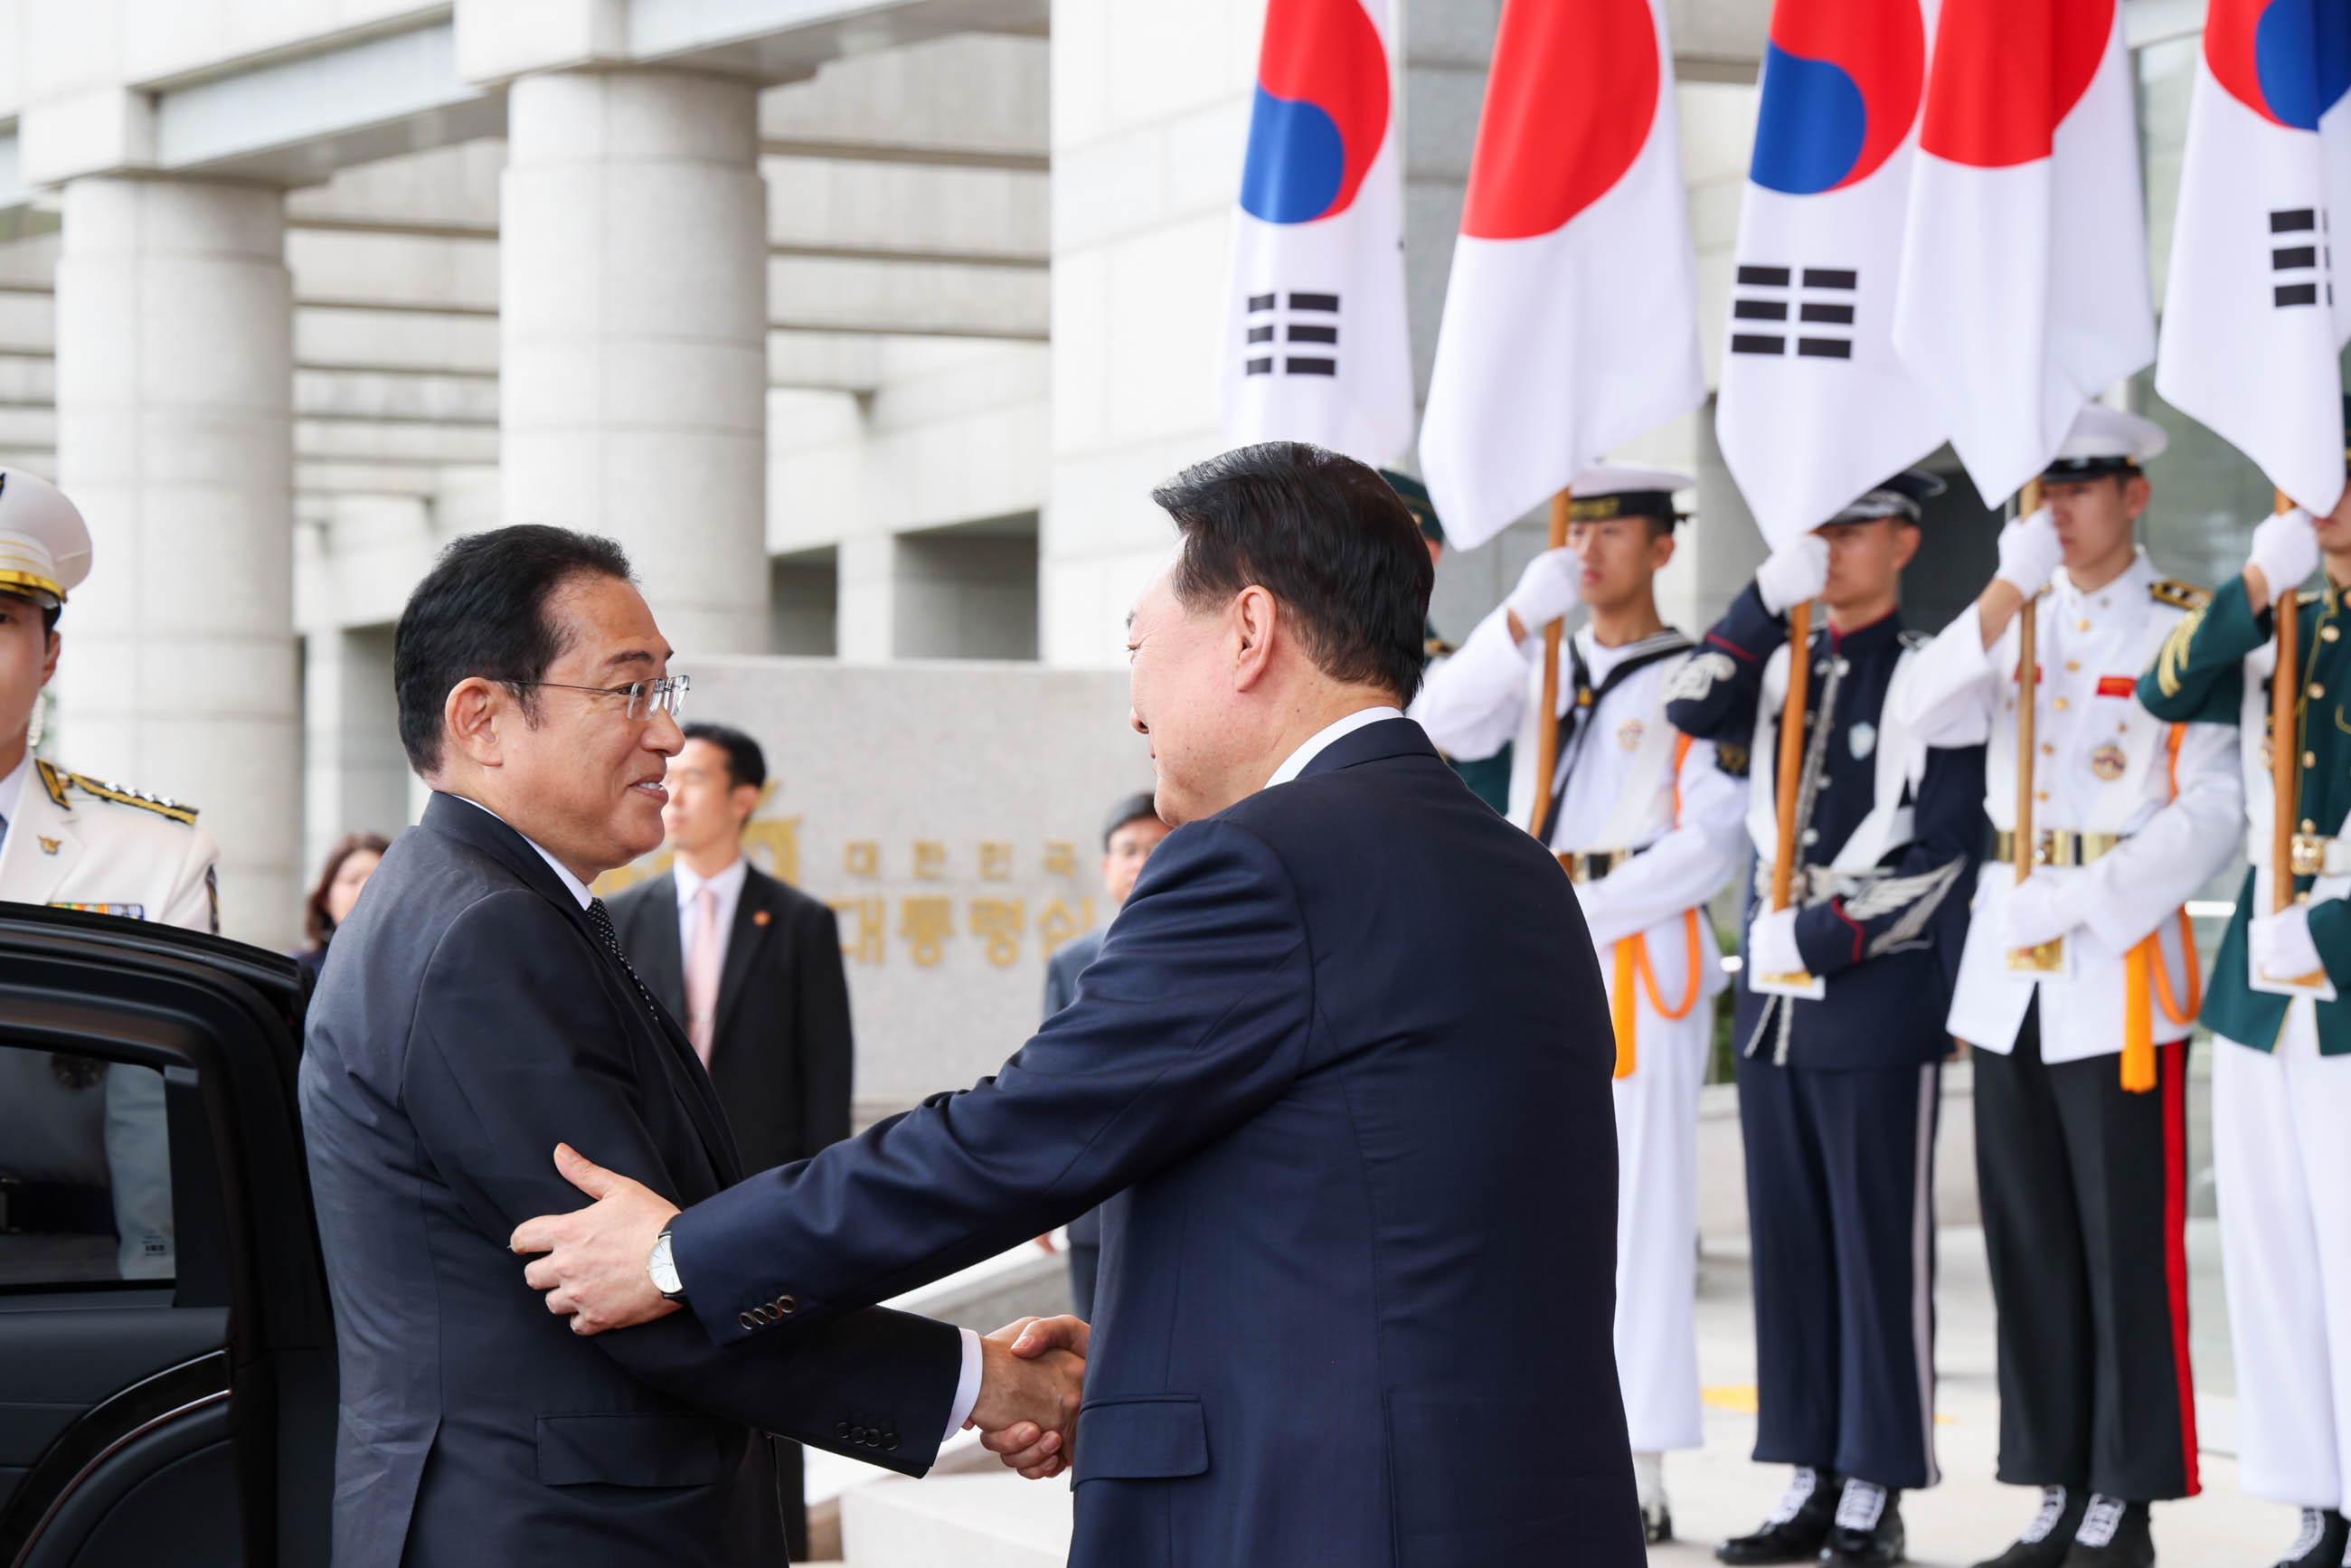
{"points": [[787, 1305], [890, 1442], [841, 1429], [857, 1435], [746, 1320]]}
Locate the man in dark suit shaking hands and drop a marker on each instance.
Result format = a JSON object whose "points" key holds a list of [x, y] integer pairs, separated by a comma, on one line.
{"points": [[479, 1007], [1344, 1058], [752, 967]]}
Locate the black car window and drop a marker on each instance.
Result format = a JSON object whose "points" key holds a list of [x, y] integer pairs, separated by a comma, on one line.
{"points": [[85, 1172]]}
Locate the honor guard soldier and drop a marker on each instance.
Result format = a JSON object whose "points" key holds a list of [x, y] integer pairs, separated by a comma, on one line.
{"points": [[1488, 778], [1647, 824], [2078, 990], [82, 1144], [2282, 1025], [1838, 1088]]}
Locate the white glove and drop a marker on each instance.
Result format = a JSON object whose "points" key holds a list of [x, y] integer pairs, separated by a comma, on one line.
{"points": [[1547, 590], [1771, 944], [1794, 573], [2029, 552], [2040, 909], [2286, 549], [2281, 944]]}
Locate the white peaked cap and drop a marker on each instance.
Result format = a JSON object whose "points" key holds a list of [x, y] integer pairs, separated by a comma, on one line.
{"points": [[2105, 438], [44, 544], [1615, 479]]}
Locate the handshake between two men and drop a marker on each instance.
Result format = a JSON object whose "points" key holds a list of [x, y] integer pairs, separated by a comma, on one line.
{"points": [[594, 1265]]}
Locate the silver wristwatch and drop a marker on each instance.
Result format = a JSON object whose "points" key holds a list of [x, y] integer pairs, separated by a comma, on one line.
{"points": [[664, 1270]]}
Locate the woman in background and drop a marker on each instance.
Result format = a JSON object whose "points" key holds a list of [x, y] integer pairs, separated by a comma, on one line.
{"points": [[349, 866]]}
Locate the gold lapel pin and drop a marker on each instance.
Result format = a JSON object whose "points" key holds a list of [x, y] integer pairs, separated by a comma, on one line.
{"points": [[758, 917], [52, 846]]}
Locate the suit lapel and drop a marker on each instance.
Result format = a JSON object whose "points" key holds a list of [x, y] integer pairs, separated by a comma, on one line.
{"points": [[652, 943], [755, 919], [485, 832]]}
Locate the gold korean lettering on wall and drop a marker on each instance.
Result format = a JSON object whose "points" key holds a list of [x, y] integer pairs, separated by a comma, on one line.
{"points": [[925, 925]]}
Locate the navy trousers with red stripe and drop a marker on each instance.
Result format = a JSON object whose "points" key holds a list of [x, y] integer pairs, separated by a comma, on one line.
{"points": [[1841, 1222], [2085, 1209]]}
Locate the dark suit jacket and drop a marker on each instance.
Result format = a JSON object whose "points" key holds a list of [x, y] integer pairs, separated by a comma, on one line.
{"points": [[471, 1019], [1345, 1059], [1061, 971], [780, 1056]]}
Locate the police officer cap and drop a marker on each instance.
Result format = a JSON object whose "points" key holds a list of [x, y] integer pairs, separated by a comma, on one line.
{"points": [[1616, 490], [44, 545], [1132, 808], [2106, 441], [1415, 496], [1902, 496]]}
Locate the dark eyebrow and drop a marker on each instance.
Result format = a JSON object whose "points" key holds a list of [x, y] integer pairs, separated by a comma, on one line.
{"points": [[636, 657]]}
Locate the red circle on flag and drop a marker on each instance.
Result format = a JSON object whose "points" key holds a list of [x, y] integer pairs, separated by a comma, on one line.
{"points": [[1570, 100], [2006, 73]]}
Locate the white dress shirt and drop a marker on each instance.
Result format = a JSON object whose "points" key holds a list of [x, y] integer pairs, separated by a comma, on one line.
{"points": [[728, 886], [1325, 737], [967, 1381]]}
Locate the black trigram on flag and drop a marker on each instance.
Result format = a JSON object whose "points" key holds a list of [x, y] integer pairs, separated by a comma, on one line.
{"points": [[2300, 258], [1812, 305], [1294, 335]]}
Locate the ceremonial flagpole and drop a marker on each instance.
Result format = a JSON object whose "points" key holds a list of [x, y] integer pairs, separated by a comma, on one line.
{"points": [[2286, 739], [1791, 751], [2045, 958], [1548, 747]]}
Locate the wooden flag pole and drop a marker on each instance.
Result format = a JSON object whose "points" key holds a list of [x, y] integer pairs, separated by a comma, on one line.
{"points": [[1791, 751], [2285, 740], [2028, 677], [1549, 743]]}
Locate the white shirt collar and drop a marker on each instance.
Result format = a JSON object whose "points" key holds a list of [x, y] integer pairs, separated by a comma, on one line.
{"points": [[1322, 740], [728, 884], [577, 889], [12, 786]]}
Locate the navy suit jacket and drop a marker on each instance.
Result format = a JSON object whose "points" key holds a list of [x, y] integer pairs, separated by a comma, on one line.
{"points": [[467, 1021], [1345, 1059], [1062, 972]]}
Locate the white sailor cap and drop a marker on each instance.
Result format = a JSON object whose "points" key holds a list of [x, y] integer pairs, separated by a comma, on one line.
{"points": [[2106, 441], [44, 545], [1615, 490]]}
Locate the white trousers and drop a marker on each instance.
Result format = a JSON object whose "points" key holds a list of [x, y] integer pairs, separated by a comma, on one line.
{"points": [[2282, 1158], [1656, 1229]]}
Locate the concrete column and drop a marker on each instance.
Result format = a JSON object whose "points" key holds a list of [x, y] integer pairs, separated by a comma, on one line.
{"points": [[356, 775], [634, 306], [866, 624], [174, 378]]}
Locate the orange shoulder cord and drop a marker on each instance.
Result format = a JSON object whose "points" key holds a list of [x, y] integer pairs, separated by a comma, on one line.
{"points": [[2145, 962], [1632, 959]]}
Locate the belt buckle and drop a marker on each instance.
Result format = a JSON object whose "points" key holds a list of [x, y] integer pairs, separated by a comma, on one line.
{"points": [[2044, 848], [2308, 855]]}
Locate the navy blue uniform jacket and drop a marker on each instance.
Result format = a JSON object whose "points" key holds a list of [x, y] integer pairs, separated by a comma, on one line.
{"points": [[468, 1020], [1345, 1059]]}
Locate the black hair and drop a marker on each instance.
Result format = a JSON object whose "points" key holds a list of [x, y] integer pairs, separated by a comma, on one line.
{"points": [[1132, 808], [482, 610], [1327, 538], [746, 763]]}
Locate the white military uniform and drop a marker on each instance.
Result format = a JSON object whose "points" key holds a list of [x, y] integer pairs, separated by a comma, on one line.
{"points": [[2154, 815], [1658, 805], [72, 842]]}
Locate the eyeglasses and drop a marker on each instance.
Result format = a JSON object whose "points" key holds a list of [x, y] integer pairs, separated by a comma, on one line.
{"points": [[667, 694]]}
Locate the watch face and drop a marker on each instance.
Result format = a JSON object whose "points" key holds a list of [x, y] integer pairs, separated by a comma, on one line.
{"points": [[662, 1269]]}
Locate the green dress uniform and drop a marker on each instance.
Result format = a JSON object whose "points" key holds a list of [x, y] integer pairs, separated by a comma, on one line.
{"points": [[2282, 1065]]}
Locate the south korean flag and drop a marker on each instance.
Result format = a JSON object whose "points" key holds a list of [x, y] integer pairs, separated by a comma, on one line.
{"points": [[1815, 405], [2256, 311]]}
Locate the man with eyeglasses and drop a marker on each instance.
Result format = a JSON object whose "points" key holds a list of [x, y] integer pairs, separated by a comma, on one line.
{"points": [[477, 1009]]}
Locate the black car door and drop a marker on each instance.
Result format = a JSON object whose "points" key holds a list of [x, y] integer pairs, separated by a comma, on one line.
{"points": [[167, 1375]]}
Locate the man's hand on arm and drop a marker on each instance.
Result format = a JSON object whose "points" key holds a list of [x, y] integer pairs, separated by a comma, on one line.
{"points": [[595, 1268], [1031, 1380]]}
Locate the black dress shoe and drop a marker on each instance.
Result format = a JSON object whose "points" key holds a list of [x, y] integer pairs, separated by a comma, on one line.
{"points": [[1797, 1528], [2325, 1537], [1658, 1523], [1867, 1533], [2049, 1536], [2113, 1535]]}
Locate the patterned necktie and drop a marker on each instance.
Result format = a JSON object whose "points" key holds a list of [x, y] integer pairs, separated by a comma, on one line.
{"points": [[602, 919]]}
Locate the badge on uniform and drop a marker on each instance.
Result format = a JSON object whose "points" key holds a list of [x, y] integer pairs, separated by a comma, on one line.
{"points": [[126, 911], [1628, 734], [2108, 762], [52, 846], [1863, 738]]}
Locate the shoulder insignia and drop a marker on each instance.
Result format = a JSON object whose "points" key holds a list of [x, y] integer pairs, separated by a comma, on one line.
{"points": [[2177, 594], [184, 815], [2171, 662], [53, 781]]}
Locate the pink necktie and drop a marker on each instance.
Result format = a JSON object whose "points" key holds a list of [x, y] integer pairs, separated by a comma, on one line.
{"points": [[702, 975]]}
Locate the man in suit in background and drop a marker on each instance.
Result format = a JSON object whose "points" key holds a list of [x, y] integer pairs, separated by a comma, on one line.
{"points": [[754, 968], [1345, 1059], [477, 1002], [1129, 835]]}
